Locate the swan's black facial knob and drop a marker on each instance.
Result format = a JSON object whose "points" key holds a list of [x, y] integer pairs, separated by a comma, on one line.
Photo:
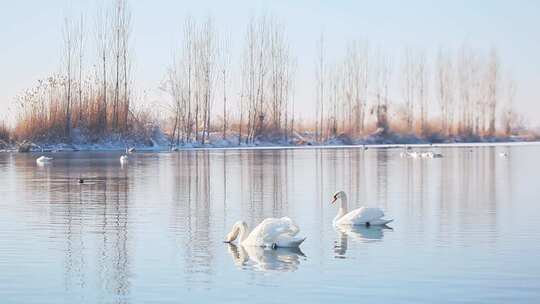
{"points": [[81, 181]]}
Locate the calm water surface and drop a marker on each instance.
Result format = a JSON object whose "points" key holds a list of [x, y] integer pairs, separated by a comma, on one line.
{"points": [[465, 230]]}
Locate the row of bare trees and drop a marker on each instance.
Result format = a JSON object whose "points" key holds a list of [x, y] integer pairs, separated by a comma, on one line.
{"points": [[267, 80], [192, 82], [93, 95], [202, 66], [461, 93]]}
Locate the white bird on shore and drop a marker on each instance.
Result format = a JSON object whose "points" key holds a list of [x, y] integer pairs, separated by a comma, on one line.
{"points": [[123, 159], [362, 216], [43, 160], [407, 154], [270, 233], [428, 154], [431, 154], [130, 150]]}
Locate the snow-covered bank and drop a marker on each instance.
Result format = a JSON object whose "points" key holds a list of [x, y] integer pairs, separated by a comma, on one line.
{"points": [[159, 142]]}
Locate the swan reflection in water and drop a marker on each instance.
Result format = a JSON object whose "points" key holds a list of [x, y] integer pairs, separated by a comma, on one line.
{"points": [[266, 259], [360, 234]]}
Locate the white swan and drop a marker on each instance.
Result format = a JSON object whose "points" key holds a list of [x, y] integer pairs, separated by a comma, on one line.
{"points": [[431, 154], [44, 160], [414, 154], [272, 232], [361, 216], [123, 159]]}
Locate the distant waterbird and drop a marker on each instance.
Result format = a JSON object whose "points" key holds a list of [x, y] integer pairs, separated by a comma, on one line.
{"points": [[123, 159], [43, 160], [431, 154], [407, 154], [503, 154], [428, 154]]}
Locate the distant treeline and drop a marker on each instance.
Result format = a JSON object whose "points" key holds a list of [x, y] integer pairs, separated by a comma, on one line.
{"points": [[460, 93]]}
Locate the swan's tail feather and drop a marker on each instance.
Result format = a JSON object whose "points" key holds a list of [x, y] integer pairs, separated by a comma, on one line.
{"points": [[297, 242], [302, 240]]}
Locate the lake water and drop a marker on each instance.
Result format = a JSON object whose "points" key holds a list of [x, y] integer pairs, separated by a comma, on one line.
{"points": [[152, 231]]}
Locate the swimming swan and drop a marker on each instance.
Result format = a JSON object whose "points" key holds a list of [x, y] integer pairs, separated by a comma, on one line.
{"points": [[271, 233], [362, 216], [43, 160]]}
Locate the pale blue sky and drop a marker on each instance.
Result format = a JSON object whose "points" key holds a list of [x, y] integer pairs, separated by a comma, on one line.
{"points": [[30, 34]]}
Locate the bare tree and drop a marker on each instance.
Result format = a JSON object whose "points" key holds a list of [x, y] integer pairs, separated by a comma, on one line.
{"points": [[408, 87], [102, 42], [225, 63], [356, 68], [381, 77], [492, 79], [464, 63], [192, 80], [334, 101], [126, 63], [444, 88], [279, 82], [120, 33], [81, 46], [70, 47], [421, 90], [508, 117], [266, 77], [320, 93]]}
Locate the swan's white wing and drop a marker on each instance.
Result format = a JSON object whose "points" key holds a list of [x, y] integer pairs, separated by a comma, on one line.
{"points": [[271, 230], [361, 215]]}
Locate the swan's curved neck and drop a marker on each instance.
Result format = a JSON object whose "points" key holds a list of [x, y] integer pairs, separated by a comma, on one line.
{"points": [[244, 232], [342, 207], [343, 203]]}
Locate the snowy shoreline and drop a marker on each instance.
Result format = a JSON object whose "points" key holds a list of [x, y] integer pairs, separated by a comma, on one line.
{"points": [[120, 147]]}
